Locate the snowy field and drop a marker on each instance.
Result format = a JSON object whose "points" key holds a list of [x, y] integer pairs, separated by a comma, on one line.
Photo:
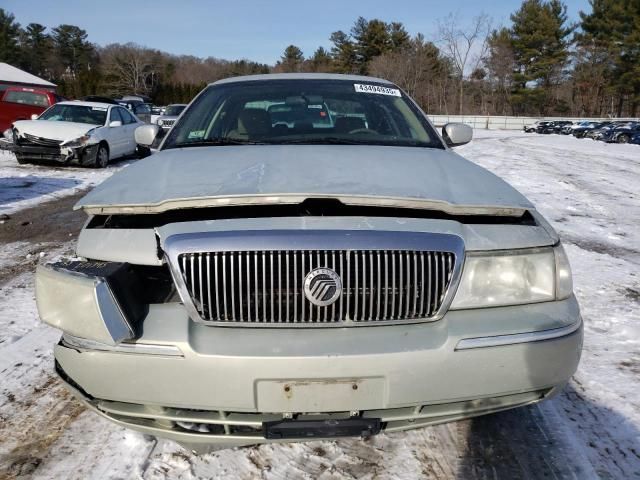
{"points": [[588, 190], [23, 186]]}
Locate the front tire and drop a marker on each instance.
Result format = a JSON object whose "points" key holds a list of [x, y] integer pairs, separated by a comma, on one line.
{"points": [[96, 157], [624, 138]]}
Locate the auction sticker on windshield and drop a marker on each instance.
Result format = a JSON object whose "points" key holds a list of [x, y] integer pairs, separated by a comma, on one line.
{"points": [[364, 88]]}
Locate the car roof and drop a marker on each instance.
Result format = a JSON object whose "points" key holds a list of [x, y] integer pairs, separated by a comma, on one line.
{"points": [[301, 76], [86, 104], [177, 105]]}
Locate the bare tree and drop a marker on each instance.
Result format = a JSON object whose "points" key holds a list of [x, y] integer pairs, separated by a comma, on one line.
{"points": [[129, 68], [465, 46], [500, 65], [420, 70]]}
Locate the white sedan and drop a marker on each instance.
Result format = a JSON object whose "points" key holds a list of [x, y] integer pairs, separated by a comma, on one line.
{"points": [[89, 133]]}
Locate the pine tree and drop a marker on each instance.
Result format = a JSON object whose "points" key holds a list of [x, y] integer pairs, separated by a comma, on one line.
{"points": [[540, 42], [371, 40], [613, 28], [320, 61], [291, 60], [72, 50], [36, 47], [343, 53], [9, 36]]}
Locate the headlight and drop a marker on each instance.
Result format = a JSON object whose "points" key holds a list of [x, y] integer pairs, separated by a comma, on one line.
{"points": [[8, 134], [77, 142], [516, 277]]}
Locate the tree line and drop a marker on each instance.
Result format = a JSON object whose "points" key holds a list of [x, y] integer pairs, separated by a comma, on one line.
{"points": [[538, 64]]}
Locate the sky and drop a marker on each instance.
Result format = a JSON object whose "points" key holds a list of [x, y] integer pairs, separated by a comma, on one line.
{"points": [[257, 30]]}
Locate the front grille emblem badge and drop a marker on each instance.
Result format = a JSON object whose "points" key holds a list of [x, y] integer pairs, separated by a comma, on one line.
{"points": [[322, 286]]}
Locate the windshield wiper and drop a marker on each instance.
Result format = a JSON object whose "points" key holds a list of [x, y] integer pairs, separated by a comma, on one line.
{"points": [[348, 141], [218, 141], [317, 141]]}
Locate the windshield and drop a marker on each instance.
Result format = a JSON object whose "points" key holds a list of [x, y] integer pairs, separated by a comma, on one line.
{"points": [[174, 110], [302, 112], [76, 114], [26, 97]]}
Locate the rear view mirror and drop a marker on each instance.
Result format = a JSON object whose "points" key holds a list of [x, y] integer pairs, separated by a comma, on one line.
{"points": [[456, 134], [146, 134]]}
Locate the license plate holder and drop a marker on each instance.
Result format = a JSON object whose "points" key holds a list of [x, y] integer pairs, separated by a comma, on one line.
{"points": [[329, 428]]}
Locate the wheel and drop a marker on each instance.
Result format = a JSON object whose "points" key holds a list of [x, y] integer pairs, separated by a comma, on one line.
{"points": [[102, 157], [624, 138], [96, 157]]}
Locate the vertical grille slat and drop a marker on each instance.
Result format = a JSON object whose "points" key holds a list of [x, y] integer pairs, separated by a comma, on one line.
{"points": [[209, 285], [224, 285], [272, 285], [378, 286], [267, 287], [240, 274], [263, 299], [393, 286], [408, 286]]}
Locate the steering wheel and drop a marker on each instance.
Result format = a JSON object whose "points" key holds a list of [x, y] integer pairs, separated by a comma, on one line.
{"points": [[368, 131]]}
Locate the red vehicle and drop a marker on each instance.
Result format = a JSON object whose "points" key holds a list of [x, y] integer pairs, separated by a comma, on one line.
{"points": [[19, 103]]}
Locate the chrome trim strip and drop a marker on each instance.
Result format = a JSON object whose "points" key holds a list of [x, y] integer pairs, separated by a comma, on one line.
{"points": [[516, 338], [290, 198], [71, 341], [308, 241]]}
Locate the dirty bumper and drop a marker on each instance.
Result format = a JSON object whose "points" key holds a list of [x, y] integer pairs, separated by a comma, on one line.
{"points": [[227, 386], [48, 154]]}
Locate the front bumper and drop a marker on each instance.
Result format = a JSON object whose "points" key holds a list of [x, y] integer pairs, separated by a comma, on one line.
{"points": [[46, 154], [225, 382]]}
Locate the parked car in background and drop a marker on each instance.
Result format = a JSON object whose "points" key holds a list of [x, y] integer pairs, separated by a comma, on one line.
{"points": [[602, 130], [533, 127], [635, 139], [580, 132], [20, 103], [100, 99], [622, 133], [543, 126], [138, 107], [267, 279], [571, 126], [88, 133], [554, 126], [170, 115], [156, 112]]}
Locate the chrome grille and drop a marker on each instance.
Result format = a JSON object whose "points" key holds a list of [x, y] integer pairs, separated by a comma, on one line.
{"points": [[46, 142], [168, 123], [266, 287]]}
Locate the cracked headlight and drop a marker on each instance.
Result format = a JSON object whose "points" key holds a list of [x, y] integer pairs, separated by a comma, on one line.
{"points": [[77, 142], [492, 279]]}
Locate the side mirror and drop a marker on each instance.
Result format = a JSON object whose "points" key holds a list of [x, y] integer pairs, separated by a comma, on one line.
{"points": [[34, 116], [115, 123], [456, 134], [146, 134]]}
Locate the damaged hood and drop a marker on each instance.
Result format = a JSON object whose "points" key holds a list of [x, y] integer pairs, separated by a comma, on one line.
{"points": [[274, 174], [63, 131]]}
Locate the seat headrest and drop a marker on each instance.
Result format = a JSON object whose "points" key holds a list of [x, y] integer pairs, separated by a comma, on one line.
{"points": [[254, 121]]}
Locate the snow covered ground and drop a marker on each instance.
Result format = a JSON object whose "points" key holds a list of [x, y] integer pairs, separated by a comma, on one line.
{"points": [[588, 190], [22, 186]]}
